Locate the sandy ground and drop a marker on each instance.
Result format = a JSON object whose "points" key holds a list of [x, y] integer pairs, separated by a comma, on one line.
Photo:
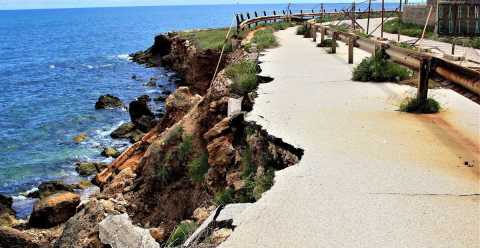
{"points": [[371, 176]]}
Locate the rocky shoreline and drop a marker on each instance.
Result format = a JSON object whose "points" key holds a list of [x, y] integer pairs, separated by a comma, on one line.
{"points": [[184, 167]]}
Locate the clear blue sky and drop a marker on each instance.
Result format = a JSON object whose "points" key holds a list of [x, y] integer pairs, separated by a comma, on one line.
{"points": [[47, 4]]}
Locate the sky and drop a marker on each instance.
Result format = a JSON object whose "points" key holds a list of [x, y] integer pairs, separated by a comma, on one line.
{"points": [[49, 4]]}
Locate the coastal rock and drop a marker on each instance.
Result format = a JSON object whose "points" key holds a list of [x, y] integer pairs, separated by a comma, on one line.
{"points": [[141, 115], [152, 82], [108, 102], [117, 231], [202, 213], [145, 98], [13, 238], [159, 234], [48, 188], [220, 235], [123, 131], [81, 231], [54, 210], [220, 152], [110, 152], [7, 214], [234, 180], [89, 168], [80, 138]]}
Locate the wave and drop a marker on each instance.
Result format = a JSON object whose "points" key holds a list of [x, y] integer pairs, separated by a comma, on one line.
{"points": [[51, 66], [124, 56]]}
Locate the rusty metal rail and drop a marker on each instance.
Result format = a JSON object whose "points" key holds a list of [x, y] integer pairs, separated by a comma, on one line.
{"points": [[243, 23], [450, 71]]}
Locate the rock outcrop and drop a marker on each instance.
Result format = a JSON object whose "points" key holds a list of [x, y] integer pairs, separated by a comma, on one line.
{"points": [[13, 238], [48, 188], [89, 168], [108, 102], [7, 214], [54, 209], [141, 116]]}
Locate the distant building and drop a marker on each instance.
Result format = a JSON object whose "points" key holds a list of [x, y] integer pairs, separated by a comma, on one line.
{"points": [[458, 17], [448, 17]]}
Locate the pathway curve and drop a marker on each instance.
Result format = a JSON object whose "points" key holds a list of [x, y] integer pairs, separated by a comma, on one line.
{"points": [[371, 176]]}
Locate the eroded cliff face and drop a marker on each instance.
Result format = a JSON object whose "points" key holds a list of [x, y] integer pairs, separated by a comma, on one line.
{"points": [[196, 157], [195, 67]]}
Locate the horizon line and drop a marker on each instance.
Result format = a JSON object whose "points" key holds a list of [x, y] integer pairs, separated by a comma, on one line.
{"points": [[179, 5]]}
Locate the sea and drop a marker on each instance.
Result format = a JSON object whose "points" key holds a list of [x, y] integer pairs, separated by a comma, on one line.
{"points": [[55, 63]]}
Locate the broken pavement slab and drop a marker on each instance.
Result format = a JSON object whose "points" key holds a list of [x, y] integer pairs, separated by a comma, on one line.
{"points": [[119, 232]]}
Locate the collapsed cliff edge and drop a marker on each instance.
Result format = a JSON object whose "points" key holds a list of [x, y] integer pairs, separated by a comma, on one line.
{"points": [[200, 157]]}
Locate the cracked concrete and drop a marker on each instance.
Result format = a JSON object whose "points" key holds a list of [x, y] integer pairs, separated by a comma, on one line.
{"points": [[356, 144]]}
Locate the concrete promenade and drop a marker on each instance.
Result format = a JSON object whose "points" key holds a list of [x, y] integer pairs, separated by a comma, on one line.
{"points": [[371, 176]]}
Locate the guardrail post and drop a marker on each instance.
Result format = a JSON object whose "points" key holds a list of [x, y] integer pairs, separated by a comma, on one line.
{"points": [[238, 22], [314, 32], [425, 69], [334, 43], [322, 35], [351, 43]]}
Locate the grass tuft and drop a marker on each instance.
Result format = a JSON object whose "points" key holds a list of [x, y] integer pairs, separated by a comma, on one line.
{"points": [[301, 30], [244, 77], [265, 39], [378, 69], [327, 43], [181, 233], [223, 197], [185, 148], [412, 105], [197, 168], [263, 183]]}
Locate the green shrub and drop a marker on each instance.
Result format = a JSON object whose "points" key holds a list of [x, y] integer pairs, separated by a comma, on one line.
{"points": [[412, 105], [264, 39], [223, 197], [327, 43], [162, 174], [281, 25], [247, 163], [198, 168], [301, 30], [378, 69], [263, 183], [208, 39], [181, 233], [244, 77], [185, 148], [408, 29], [475, 42]]}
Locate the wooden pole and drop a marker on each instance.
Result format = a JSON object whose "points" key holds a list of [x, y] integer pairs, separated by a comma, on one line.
{"points": [[422, 94], [351, 42], [383, 14], [399, 20], [238, 23], [334, 42], [314, 32], [368, 15], [274, 13], [353, 15]]}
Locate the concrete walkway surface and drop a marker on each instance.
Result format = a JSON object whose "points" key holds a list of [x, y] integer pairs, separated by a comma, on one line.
{"points": [[371, 176]]}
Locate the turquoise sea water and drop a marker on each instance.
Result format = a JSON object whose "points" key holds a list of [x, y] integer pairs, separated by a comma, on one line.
{"points": [[54, 64]]}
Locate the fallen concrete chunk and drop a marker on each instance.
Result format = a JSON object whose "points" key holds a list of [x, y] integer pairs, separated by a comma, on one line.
{"points": [[234, 106], [119, 232], [231, 213]]}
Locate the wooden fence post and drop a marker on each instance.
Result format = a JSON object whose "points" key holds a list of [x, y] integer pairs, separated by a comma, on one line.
{"points": [[314, 32], [334, 43], [248, 18], [274, 13], [351, 43], [238, 23], [265, 14], [425, 70], [322, 35], [256, 14]]}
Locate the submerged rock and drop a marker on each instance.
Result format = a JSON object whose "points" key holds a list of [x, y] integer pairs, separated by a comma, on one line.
{"points": [[108, 102], [152, 82], [80, 138], [53, 210], [123, 131], [119, 232], [89, 168], [110, 152], [13, 238]]}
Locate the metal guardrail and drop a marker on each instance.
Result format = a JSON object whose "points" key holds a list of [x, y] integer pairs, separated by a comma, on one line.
{"points": [[425, 63]]}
